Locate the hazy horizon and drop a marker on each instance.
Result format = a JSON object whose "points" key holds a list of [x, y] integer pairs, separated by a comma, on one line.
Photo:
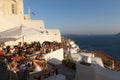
{"points": [[78, 16], [90, 34]]}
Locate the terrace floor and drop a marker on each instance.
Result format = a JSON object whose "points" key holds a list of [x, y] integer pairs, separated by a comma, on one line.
{"points": [[69, 73]]}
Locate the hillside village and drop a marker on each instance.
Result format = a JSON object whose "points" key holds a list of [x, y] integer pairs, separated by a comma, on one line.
{"points": [[29, 51]]}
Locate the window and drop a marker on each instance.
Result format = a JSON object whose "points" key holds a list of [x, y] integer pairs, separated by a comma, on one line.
{"points": [[13, 8]]}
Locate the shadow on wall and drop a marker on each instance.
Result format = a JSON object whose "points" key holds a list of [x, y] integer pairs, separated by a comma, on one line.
{"points": [[54, 61], [7, 39]]}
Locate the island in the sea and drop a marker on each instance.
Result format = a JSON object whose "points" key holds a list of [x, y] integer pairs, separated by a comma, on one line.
{"points": [[118, 34]]}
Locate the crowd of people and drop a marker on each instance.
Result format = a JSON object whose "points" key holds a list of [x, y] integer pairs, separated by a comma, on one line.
{"points": [[27, 57]]}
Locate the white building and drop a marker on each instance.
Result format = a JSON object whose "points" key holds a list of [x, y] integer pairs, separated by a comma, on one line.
{"points": [[12, 15], [92, 67], [88, 58]]}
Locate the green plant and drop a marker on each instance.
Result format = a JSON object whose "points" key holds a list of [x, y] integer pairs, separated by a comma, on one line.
{"points": [[69, 63]]}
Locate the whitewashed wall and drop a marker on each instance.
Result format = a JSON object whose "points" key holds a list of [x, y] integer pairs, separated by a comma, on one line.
{"points": [[38, 24], [95, 72], [97, 60], [84, 72], [106, 74], [55, 57]]}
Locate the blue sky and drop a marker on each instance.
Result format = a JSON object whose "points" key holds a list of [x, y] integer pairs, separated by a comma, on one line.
{"points": [[78, 16]]}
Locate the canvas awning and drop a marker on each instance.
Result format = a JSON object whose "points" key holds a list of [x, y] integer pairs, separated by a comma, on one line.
{"points": [[18, 32]]}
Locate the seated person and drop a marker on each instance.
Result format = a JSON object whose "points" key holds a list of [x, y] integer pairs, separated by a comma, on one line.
{"points": [[42, 66], [13, 67], [15, 57], [22, 55], [37, 67]]}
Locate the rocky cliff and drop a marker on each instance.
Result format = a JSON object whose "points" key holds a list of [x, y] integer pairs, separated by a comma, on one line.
{"points": [[108, 60]]}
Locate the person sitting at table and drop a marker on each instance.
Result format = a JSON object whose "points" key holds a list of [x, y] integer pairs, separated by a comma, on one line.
{"points": [[22, 55], [42, 66], [36, 66], [13, 67], [15, 57]]}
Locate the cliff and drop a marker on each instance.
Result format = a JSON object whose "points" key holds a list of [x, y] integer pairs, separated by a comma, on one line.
{"points": [[118, 34], [108, 60]]}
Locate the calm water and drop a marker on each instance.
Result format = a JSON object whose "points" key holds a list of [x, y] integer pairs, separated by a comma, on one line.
{"points": [[110, 44]]}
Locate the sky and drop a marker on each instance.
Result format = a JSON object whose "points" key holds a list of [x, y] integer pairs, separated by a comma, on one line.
{"points": [[77, 16]]}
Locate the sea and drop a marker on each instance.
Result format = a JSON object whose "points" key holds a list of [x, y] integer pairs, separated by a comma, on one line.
{"points": [[108, 43]]}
